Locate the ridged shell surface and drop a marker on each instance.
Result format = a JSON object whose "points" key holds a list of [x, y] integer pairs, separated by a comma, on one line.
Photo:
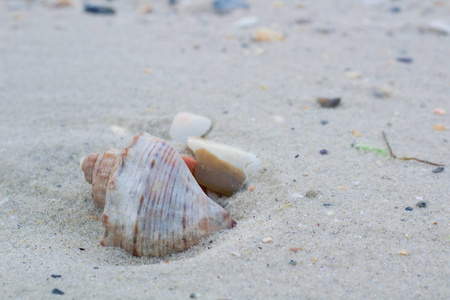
{"points": [[154, 206]]}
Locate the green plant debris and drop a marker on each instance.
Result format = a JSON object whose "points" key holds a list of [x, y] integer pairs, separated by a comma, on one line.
{"points": [[371, 149]]}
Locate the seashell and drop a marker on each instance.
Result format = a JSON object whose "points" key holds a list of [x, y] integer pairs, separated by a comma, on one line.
{"points": [[222, 168], [153, 205], [186, 124]]}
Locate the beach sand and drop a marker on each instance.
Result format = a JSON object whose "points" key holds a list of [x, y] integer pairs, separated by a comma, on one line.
{"points": [[72, 83]]}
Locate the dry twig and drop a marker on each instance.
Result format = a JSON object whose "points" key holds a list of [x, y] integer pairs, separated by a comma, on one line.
{"points": [[407, 158]]}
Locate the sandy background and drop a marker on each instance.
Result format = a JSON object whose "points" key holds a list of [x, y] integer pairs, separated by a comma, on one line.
{"points": [[67, 77]]}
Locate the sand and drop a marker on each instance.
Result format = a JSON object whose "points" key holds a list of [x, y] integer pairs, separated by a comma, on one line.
{"points": [[73, 83]]}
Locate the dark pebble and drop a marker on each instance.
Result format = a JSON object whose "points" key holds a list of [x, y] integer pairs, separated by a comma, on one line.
{"points": [[395, 10], [323, 151], [326, 204], [82, 249], [324, 122], [55, 276], [192, 296], [57, 292], [409, 208], [293, 262], [58, 185], [421, 204], [227, 6], [297, 156], [406, 60], [98, 9], [329, 102], [438, 170]]}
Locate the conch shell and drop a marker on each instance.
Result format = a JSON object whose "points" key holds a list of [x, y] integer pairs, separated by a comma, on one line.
{"points": [[152, 203]]}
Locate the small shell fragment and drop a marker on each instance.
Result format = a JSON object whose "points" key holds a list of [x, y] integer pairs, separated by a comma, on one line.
{"points": [[439, 26], [220, 167], [267, 35], [329, 102], [186, 124], [404, 252], [267, 239]]}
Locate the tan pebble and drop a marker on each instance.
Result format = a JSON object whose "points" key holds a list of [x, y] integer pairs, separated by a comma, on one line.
{"points": [[62, 3], [356, 133], [295, 249], [353, 74], [277, 4], [145, 7], [404, 252], [235, 253], [267, 239], [260, 51], [267, 35], [439, 127], [439, 111]]}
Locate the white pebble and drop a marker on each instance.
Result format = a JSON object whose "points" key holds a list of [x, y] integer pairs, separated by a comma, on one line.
{"points": [[246, 22], [296, 195], [278, 119]]}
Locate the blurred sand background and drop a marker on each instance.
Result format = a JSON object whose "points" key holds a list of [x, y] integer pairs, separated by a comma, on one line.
{"points": [[73, 83]]}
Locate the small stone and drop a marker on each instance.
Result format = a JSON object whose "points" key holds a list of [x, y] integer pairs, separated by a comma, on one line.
{"points": [[438, 170], [55, 276], [296, 195], [246, 22], [311, 193], [323, 151], [421, 204], [326, 204], [439, 127], [356, 133], [381, 93], [439, 111], [57, 292], [278, 119], [329, 102], [353, 74], [293, 262], [409, 208], [227, 6], [405, 60], [267, 239], [324, 122], [192, 296], [295, 249], [82, 249], [98, 9], [62, 3], [395, 10], [267, 35], [403, 252]]}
